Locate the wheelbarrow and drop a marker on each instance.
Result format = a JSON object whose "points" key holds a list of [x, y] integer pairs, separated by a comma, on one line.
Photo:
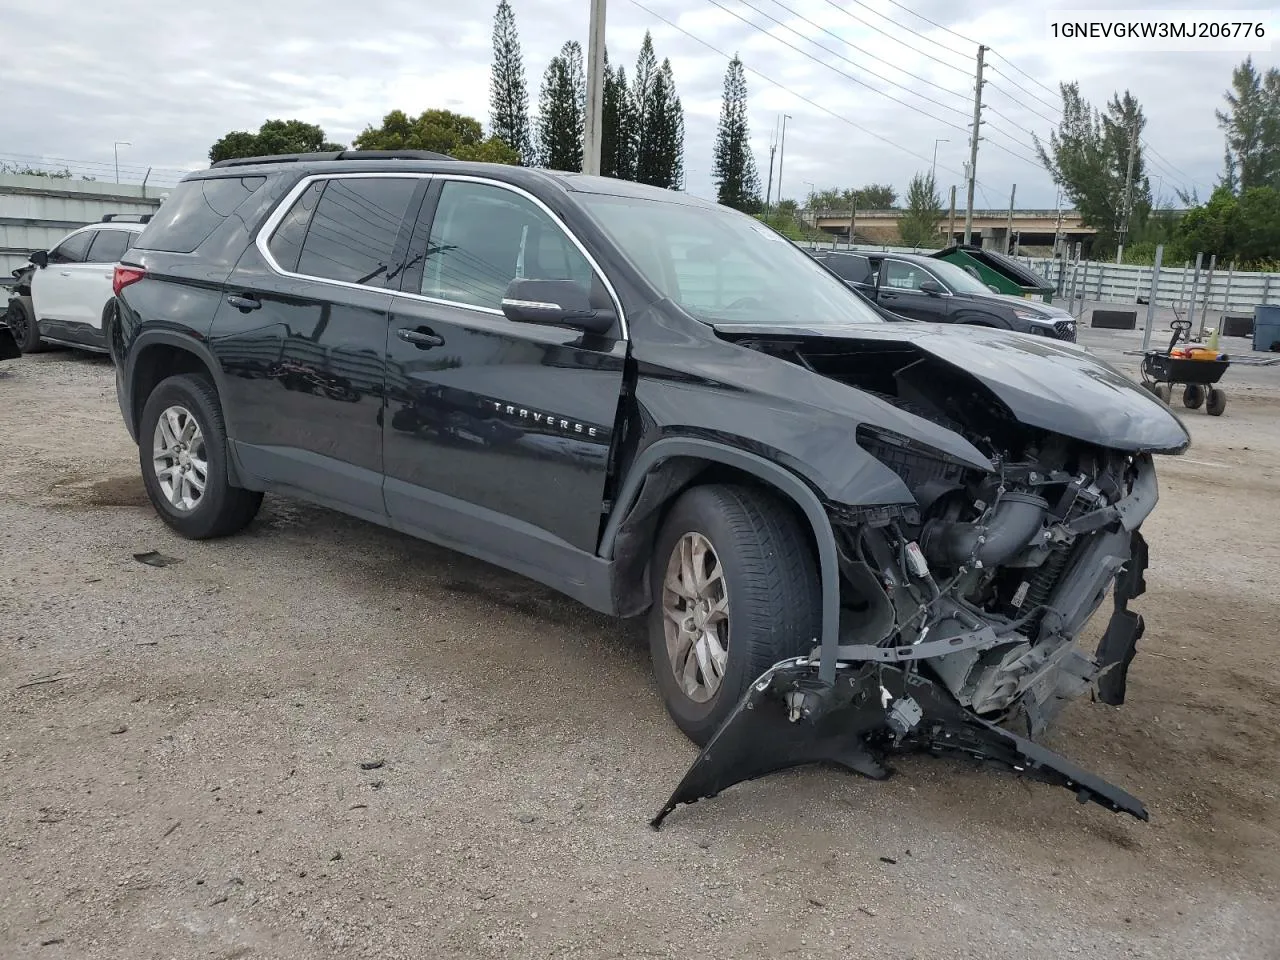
{"points": [[1161, 372]]}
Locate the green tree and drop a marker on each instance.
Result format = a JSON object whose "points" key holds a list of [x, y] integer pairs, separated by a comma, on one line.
{"points": [[1251, 123], [273, 138], [660, 140], [874, 196], [508, 94], [560, 111], [1088, 156], [737, 183], [1244, 228], [442, 131], [617, 142], [918, 226]]}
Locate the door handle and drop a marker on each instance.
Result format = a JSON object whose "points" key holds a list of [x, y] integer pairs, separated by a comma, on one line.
{"points": [[244, 303], [888, 296], [64, 273], [424, 338]]}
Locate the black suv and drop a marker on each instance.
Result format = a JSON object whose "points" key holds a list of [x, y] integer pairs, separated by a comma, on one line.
{"points": [[656, 405], [926, 288]]}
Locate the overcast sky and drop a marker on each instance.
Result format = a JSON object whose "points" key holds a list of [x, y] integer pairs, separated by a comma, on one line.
{"points": [[172, 80]]}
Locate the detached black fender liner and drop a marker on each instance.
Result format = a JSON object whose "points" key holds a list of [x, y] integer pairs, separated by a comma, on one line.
{"points": [[791, 716]]}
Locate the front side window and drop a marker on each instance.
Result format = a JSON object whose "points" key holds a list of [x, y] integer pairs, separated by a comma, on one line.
{"points": [[73, 249], [352, 236], [483, 237], [109, 246], [723, 266]]}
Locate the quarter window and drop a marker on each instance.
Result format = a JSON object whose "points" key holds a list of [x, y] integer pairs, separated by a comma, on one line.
{"points": [[353, 231], [286, 243], [73, 249], [483, 237]]}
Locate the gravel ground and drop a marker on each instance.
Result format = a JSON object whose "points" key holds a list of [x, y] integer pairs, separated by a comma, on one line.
{"points": [[322, 739]]}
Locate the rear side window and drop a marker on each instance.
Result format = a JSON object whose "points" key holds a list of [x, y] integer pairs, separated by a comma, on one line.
{"points": [[194, 210], [353, 230], [72, 249], [846, 267], [109, 246]]}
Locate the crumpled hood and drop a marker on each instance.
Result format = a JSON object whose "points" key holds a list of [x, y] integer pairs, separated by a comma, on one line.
{"points": [[1041, 309], [1045, 383]]}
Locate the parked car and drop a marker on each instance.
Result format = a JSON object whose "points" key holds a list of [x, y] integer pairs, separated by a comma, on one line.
{"points": [[926, 288], [64, 296], [871, 534]]}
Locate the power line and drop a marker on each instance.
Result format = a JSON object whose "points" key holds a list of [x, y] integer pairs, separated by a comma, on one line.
{"points": [[754, 26], [899, 41], [1008, 96], [1017, 86], [926, 20], [1037, 82], [890, 63], [847, 76], [784, 87]]}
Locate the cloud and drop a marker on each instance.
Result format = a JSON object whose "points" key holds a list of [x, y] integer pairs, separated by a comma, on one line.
{"points": [[173, 79]]}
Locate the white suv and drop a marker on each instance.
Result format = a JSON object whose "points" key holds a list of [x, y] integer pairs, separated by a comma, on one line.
{"points": [[71, 286]]}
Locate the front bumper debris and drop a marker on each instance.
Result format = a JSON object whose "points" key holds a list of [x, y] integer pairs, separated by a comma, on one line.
{"points": [[791, 717]]}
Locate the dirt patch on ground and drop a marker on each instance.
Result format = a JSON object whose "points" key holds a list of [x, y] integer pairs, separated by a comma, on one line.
{"points": [[323, 739]]}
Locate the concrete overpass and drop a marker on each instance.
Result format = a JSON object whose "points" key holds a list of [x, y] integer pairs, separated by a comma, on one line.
{"points": [[1031, 228]]}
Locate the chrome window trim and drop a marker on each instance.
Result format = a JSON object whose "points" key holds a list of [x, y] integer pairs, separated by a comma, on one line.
{"points": [[272, 222]]}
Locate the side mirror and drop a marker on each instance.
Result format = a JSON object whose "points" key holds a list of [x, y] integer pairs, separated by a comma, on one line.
{"points": [[40, 258], [554, 303], [933, 288]]}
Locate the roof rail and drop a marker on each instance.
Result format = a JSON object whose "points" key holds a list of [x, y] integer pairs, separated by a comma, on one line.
{"points": [[338, 155], [121, 217]]}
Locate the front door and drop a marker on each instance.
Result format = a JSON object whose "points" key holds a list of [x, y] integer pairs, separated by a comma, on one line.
{"points": [[900, 292], [301, 337], [504, 423], [53, 287]]}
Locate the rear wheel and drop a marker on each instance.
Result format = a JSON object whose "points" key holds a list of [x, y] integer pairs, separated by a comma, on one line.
{"points": [[1192, 396], [182, 448], [25, 329], [735, 590]]}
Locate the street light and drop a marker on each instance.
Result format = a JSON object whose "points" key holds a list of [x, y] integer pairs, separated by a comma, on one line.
{"points": [[933, 171], [115, 148]]}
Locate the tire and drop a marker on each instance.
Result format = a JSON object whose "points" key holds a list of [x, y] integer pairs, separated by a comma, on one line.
{"points": [[25, 329], [1193, 396], [1163, 391], [1216, 402], [221, 509], [774, 598], [111, 332]]}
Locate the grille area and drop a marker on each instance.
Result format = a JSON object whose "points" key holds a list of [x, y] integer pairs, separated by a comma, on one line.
{"points": [[1065, 330]]}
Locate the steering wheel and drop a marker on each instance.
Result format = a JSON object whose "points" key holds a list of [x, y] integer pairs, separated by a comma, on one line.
{"points": [[743, 302]]}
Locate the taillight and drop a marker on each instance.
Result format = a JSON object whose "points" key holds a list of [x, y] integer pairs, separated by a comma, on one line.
{"points": [[125, 276]]}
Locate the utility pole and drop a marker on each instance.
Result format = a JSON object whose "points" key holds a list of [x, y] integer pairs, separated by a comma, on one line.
{"points": [[951, 221], [1128, 190], [782, 153], [593, 133], [1057, 230], [768, 193], [973, 146], [1008, 230], [853, 218], [115, 149]]}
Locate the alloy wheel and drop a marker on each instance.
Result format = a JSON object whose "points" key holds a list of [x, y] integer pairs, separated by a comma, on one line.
{"points": [[695, 608], [179, 458]]}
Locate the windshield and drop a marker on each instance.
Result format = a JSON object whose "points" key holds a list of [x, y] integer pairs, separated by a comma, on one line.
{"points": [[957, 278], [721, 265]]}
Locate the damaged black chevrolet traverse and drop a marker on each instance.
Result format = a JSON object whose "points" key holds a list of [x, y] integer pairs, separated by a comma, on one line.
{"points": [[849, 536]]}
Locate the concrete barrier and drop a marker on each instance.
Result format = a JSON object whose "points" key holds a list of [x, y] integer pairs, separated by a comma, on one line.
{"points": [[1114, 319]]}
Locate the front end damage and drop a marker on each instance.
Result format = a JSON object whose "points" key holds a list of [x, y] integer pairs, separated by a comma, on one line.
{"points": [[959, 613]]}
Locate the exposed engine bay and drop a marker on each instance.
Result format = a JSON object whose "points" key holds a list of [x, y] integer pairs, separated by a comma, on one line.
{"points": [[958, 612]]}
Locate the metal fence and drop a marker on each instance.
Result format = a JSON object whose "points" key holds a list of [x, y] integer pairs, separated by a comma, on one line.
{"points": [[1217, 289]]}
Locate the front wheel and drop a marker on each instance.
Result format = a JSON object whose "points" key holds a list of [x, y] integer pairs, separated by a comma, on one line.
{"points": [[735, 589], [25, 329], [182, 448], [1216, 403]]}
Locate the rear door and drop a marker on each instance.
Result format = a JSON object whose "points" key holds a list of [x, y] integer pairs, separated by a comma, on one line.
{"points": [[52, 287], [91, 281], [491, 424], [301, 337], [899, 291]]}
